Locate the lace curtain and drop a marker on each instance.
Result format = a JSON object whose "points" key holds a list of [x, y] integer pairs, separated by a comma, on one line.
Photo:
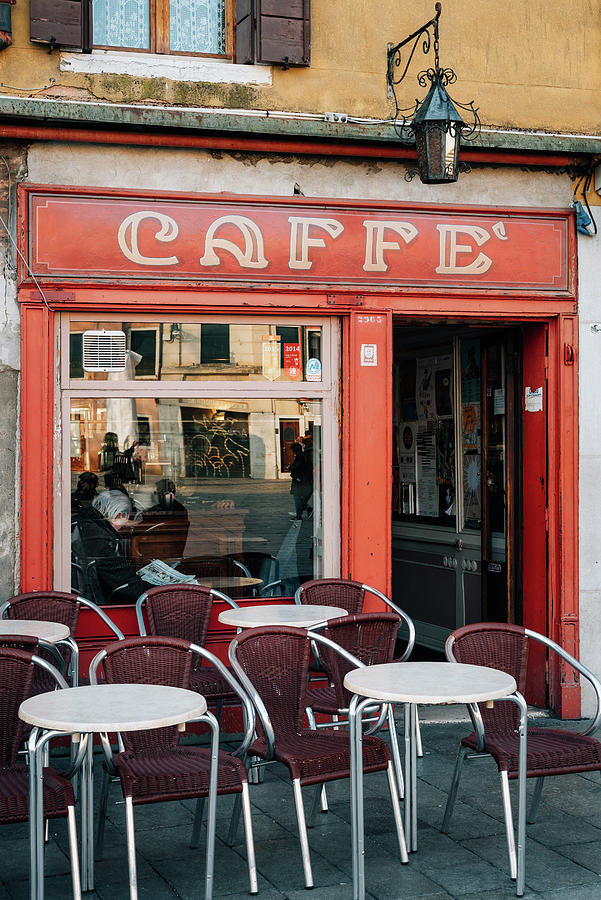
{"points": [[197, 26], [121, 23]]}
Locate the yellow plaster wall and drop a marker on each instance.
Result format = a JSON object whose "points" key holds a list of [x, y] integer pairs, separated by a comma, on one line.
{"points": [[528, 64]]}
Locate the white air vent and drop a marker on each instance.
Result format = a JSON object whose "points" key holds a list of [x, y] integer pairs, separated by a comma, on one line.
{"points": [[104, 351]]}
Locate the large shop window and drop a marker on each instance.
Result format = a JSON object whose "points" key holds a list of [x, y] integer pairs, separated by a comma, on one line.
{"points": [[222, 483]]}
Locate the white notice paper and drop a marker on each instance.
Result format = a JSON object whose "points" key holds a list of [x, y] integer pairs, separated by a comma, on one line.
{"points": [[427, 489], [533, 399]]}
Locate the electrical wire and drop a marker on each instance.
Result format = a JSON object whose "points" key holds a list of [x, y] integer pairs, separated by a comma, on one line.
{"points": [[11, 238]]}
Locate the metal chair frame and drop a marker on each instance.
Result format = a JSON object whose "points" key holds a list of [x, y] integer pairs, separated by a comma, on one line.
{"points": [[69, 643], [341, 719], [516, 860], [270, 736], [112, 774], [38, 753]]}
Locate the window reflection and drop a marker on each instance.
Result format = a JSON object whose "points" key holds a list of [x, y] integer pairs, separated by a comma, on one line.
{"points": [[199, 351], [224, 491]]}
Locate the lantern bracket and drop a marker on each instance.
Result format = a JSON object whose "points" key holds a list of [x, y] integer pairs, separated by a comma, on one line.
{"points": [[403, 119]]}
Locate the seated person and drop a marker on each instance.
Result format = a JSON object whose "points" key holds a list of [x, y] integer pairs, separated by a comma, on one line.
{"points": [[84, 493], [166, 504], [98, 528]]}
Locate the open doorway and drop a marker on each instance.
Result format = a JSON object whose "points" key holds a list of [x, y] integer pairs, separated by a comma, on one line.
{"points": [[457, 470]]}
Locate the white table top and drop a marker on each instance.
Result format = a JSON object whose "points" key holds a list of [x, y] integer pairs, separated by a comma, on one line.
{"points": [[299, 616], [430, 682], [113, 707], [45, 631]]}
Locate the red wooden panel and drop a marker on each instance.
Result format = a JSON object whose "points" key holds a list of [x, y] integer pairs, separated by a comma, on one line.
{"points": [[370, 443], [279, 240], [534, 481]]}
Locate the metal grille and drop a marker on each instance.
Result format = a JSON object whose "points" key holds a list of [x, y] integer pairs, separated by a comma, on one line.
{"points": [[104, 351]]}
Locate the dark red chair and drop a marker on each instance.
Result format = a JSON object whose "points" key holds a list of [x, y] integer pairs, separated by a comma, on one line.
{"points": [[57, 606], [153, 767], [550, 751], [184, 611], [216, 567], [272, 665], [370, 638], [17, 673]]}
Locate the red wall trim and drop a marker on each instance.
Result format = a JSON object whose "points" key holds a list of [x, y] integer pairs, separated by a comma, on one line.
{"points": [[277, 145]]}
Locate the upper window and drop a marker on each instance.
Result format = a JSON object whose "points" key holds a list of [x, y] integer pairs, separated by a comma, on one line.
{"points": [[265, 31], [163, 26]]}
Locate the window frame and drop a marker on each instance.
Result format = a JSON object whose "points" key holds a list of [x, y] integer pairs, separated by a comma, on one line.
{"points": [[159, 34]]}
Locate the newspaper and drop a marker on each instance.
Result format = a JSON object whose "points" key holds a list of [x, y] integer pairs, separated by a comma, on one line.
{"points": [[159, 573]]}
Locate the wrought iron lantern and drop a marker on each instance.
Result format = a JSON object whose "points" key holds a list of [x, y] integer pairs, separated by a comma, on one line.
{"points": [[434, 123]]}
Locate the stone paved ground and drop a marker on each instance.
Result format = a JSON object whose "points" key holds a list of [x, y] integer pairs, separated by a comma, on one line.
{"points": [[563, 849]]}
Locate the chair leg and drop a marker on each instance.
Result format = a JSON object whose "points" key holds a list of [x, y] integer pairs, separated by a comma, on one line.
{"points": [[316, 803], [396, 755], [250, 844], [418, 736], [234, 821], [196, 828], [446, 820], [513, 862], [396, 808], [131, 848], [302, 832], [534, 803], [74, 853], [322, 791], [104, 799]]}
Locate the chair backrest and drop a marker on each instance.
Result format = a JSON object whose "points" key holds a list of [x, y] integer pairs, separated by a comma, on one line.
{"points": [[275, 661], [161, 660], [498, 646], [45, 606], [17, 672], [211, 567], [54, 606], [178, 611], [370, 637], [333, 592], [154, 538], [259, 564], [147, 660]]}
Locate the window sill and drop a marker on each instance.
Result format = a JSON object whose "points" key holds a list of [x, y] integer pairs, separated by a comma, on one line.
{"points": [[155, 65]]}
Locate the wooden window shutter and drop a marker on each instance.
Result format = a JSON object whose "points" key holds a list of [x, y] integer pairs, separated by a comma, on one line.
{"points": [[284, 32], [245, 32], [64, 22], [273, 31]]}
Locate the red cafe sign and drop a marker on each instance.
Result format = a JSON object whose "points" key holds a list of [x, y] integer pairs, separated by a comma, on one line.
{"points": [[214, 239]]}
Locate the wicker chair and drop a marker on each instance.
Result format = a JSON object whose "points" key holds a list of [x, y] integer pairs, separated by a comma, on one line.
{"points": [[152, 766], [550, 751], [216, 567], [57, 606], [272, 664], [184, 611], [350, 595], [370, 638], [17, 672], [264, 566]]}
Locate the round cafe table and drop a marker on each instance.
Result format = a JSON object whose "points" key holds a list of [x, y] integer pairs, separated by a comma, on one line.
{"points": [[51, 632], [304, 616], [101, 709], [412, 683]]}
